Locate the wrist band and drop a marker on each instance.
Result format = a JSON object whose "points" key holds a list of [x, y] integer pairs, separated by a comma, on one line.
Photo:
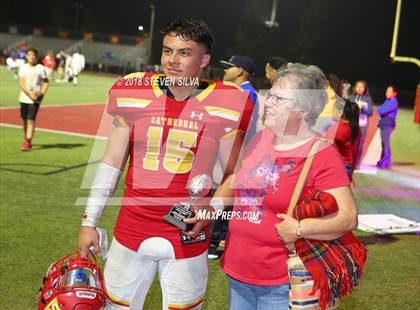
{"points": [[217, 204], [103, 188]]}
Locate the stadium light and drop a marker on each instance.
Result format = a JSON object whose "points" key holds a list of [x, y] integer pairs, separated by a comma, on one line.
{"points": [[141, 28], [272, 22], [152, 24]]}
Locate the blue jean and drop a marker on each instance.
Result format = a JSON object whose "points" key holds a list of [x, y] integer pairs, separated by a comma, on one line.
{"points": [[385, 161], [257, 297]]}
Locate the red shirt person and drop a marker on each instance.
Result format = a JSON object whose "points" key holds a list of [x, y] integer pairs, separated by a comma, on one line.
{"points": [[168, 128], [171, 142], [270, 178], [49, 61], [255, 251], [346, 133]]}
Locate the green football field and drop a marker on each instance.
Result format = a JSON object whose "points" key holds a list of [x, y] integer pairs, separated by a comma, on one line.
{"points": [[40, 221], [91, 89]]}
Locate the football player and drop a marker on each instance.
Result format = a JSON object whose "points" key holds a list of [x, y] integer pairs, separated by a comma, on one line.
{"points": [[169, 127], [77, 65]]}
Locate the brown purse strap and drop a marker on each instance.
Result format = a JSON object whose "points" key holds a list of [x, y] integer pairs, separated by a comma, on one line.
{"points": [[303, 175]]}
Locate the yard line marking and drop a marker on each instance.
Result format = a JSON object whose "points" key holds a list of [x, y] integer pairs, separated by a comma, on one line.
{"points": [[69, 133], [56, 105]]}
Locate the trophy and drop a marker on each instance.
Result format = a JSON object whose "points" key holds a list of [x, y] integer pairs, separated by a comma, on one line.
{"points": [[198, 187]]}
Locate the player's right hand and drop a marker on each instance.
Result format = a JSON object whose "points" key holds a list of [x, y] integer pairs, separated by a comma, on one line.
{"points": [[88, 237]]}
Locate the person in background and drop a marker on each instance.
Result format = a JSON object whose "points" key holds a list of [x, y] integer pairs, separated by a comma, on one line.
{"points": [[68, 70], [12, 64], [239, 70], [388, 113], [345, 133], [49, 63], [33, 83], [21, 54], [325, 119], [362, 97], [61, 60], [272, 65], [345, 89], [77, 65]]}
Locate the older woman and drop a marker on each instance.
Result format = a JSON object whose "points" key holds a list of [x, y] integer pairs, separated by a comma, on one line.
{"points": [[255, 252]]}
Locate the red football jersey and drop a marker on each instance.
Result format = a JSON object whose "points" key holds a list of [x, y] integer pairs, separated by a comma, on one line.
{"points": [[170, 142]]}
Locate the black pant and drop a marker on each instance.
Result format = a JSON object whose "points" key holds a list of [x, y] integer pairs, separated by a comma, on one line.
{"points": [[28, 111], [219, 229], [359, 158]]}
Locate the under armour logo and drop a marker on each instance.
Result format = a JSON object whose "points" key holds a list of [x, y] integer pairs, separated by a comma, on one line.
{"points": [[199, 115]]}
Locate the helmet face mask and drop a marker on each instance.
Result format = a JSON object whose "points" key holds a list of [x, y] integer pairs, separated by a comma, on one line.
{"points": [[79, 277], [73, 283]]}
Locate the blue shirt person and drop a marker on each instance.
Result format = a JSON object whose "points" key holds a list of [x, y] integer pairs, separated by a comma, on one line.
{"points": [[239, 70], [252, 129], [388, 113]]}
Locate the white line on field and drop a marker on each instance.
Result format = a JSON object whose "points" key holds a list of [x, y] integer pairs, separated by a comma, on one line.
{"points": [[69, 133], [55, 105]]}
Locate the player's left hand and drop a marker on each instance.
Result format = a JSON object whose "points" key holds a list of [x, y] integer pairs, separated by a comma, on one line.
{"points": [[286, 229], [198, 220]]}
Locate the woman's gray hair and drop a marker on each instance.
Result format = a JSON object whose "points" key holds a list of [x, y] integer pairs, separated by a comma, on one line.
{"points": [[309, 84]]}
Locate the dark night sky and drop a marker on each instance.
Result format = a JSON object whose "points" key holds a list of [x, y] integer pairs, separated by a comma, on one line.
{"points": [[349, 38]]}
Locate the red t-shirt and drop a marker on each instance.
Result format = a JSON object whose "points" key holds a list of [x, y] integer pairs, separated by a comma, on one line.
{"points": [[170, 143], [49, 62], [253, 252], [341, 133]]}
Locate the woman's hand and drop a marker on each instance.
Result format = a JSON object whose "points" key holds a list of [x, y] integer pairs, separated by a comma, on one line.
{"points": [[286, 229], [334, 225]]}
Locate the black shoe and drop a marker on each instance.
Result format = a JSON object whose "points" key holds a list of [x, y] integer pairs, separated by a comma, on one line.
{"points": [[212, 253]]}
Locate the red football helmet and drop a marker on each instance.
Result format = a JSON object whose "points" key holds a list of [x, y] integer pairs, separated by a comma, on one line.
{"points": [[73, 283]]}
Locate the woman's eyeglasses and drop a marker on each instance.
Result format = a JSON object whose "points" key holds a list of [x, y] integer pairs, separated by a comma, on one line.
{"points": [[277, 100]]}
